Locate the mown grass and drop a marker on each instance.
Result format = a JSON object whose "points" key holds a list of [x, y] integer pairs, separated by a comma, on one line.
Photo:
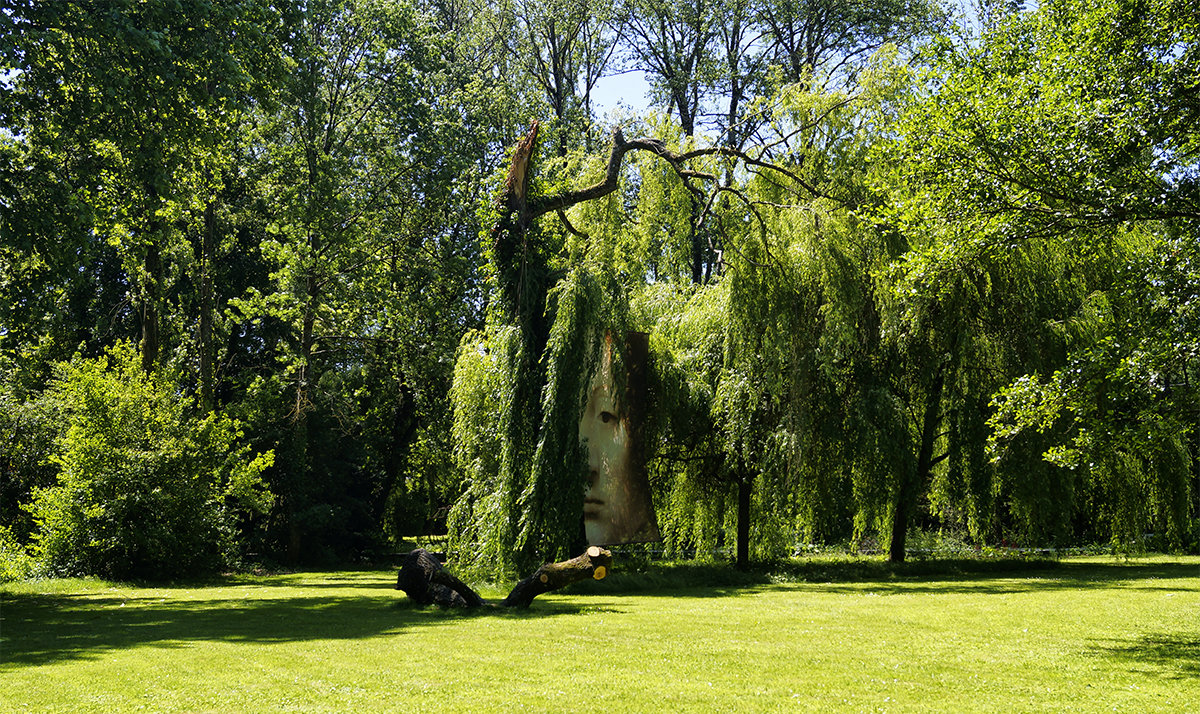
{"points": [[1089, 634]]}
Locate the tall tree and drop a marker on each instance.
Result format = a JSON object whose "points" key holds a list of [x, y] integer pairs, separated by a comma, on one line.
{"points": [[341, 152], [139, 97], [1104, 79], [672, 42], [566, 47], [822, 40]]}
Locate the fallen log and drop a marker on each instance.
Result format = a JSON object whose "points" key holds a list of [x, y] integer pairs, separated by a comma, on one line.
{"points": [[426, 582], [594, 564]]}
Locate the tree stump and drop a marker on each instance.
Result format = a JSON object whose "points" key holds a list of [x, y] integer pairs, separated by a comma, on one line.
{"points": [[426, 582]]}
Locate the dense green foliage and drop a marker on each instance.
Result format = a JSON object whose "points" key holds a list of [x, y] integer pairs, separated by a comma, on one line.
{"points": [[901, 272], [144, 489]]}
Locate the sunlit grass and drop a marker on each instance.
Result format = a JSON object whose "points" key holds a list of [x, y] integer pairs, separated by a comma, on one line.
{"points": [[1093, 634]]}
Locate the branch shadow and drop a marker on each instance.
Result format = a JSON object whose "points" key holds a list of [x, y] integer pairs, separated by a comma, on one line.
{"points": [[1170, 655], [38, 629]]}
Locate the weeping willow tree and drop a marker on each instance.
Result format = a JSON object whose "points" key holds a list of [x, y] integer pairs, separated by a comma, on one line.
{"points": [[785, 407], [1063, 146], [761, 378], [518, 390]]}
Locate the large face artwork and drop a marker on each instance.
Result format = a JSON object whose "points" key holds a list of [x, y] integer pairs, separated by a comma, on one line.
{"points": [[616, 506]]}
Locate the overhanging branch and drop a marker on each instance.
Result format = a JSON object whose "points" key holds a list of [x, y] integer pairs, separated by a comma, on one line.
{"points": [[679, 162]]}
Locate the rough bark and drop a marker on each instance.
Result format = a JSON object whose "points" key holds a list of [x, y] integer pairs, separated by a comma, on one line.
{"points": [[426, 582], [594, 564]]}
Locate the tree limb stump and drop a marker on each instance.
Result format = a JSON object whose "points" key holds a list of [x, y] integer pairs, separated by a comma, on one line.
{"points": [[594, 564]]}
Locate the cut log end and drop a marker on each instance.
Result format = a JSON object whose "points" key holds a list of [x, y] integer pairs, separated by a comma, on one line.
{"points": [[594, 563]]}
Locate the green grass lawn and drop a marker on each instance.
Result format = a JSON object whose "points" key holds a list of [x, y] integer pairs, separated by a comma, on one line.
{"points": [[1090, 634]]}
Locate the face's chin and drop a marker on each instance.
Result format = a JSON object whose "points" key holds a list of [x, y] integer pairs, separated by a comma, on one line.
{"points": [[596, 517], [595, 530]]}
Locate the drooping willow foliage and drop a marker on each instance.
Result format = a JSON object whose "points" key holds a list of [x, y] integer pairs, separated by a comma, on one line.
{"points": [[693, 504], [526, 476], [835, 373]]}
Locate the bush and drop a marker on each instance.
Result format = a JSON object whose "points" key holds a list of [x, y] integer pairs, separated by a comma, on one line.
{"points": [[27, 430], [15, 561], [145, 489]]}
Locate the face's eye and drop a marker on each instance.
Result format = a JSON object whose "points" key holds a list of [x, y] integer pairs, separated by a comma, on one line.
{"points": [[607, 417]]}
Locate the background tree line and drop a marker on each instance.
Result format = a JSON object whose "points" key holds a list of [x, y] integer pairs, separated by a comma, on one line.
{"points": [[904, 270]]}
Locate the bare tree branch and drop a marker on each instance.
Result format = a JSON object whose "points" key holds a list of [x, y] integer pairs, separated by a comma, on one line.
{"points": [[679, 162]]}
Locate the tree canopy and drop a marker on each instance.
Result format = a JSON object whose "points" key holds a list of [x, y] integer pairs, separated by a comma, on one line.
{"points": [[301, 281]]}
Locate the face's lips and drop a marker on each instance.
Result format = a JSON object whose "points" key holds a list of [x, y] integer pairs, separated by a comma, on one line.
{"points": [[592, 508]]}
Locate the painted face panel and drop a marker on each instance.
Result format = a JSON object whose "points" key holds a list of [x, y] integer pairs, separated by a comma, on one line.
{"points": [[616, 507]]}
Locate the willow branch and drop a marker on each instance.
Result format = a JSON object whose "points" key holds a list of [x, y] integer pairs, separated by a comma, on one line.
{"points": [[678, 161], [612, 175], [562, 216]]}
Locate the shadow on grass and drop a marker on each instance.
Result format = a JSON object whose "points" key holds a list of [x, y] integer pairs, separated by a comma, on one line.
{"points": [[1173, 656], [349, 580], [43, 628], [932, 576], [40, 628]]}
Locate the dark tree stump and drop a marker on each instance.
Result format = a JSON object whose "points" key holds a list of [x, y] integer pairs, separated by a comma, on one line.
{"points": [[426, 582]]}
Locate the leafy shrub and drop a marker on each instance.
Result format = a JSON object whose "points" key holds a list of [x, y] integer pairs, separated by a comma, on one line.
{"points": [[15, 561], [145, 488], [27, 429]]}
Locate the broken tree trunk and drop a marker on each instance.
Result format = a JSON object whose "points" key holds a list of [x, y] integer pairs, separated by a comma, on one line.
{"points": [[423, 579], [552, 576], [426, 582]]}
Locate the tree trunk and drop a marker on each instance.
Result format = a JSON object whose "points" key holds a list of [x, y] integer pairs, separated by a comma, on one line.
{"points": [[745, 488], [299, 485], [401, 434], [150, 317], [910, 486], [510, 238], [205, 348], [426, 582], [687, 114], [896, 549]]}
